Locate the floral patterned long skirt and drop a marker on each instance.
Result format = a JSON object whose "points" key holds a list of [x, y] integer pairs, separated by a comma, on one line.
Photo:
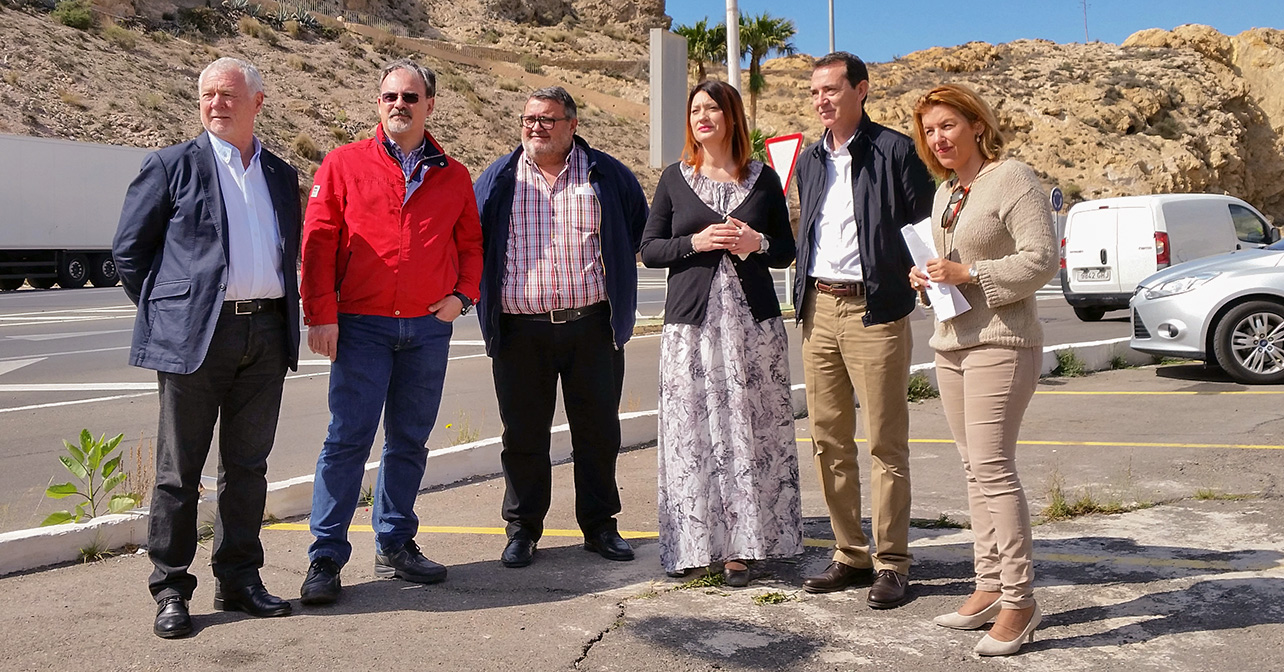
{"points": [[728, 464]]}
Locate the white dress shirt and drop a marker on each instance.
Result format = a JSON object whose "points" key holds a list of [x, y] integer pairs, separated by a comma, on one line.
{"points": [[253, 237], [835, 249]]}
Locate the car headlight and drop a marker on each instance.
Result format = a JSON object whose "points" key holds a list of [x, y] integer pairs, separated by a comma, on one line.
{"points": [[1179, 285]]}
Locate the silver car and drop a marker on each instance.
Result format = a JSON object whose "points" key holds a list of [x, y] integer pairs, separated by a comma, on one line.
{"points": [[1227, 310]]}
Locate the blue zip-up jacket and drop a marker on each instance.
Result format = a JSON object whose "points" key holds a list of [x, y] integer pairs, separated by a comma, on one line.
{"points": [[624, 213], [890, 188]]}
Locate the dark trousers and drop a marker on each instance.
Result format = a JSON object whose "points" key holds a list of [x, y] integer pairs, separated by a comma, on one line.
{"points": [[238, 385], [530, 359]]}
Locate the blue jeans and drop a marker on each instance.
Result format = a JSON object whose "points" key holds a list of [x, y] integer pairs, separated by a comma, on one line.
{"points": [[392, 365]]}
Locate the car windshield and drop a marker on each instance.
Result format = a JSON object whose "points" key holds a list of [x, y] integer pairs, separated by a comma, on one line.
{"points": [[1277, 245]]}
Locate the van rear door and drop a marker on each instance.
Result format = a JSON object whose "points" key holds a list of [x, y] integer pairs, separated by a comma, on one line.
{"points": [[1135, 258], [1090, 249]]}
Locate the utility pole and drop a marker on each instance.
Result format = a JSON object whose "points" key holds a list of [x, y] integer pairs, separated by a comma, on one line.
{"points": [[733, 44], [831, 26], [1085, 20]]}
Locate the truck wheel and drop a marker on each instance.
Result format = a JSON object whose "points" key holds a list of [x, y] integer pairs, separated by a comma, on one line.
{"points": [[102, 271], [73, 271], [42, 283], [1249, 343], [10, 284], [1089, 313]]}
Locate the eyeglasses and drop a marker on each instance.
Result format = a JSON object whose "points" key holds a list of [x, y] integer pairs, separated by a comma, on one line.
{"points": [[544, 123], [957, 199], [390, 97]]}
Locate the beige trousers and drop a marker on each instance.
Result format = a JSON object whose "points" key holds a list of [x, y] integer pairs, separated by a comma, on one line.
{"points": [[844, 360], [985, 391]]}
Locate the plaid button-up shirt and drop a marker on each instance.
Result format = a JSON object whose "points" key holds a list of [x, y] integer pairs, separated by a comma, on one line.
{"points": [[554, 250]]}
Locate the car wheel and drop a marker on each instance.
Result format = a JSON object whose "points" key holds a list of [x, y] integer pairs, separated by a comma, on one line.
{"points": [[1090, 313], [1249, 342]]}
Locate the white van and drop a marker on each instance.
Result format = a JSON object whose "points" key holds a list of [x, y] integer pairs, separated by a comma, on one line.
{"points": [[1110, 244]]}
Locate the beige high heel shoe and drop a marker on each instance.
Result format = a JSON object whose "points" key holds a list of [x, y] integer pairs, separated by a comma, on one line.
{"points": [[989, 646], [959, 621]]}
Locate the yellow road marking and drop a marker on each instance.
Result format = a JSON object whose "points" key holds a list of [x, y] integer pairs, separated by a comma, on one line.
{"points": [[1064, 558], [1113, 444], [1191, 393]]}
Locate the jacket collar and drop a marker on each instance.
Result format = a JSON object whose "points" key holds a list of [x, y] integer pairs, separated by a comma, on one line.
{"points": [[433, 154]]}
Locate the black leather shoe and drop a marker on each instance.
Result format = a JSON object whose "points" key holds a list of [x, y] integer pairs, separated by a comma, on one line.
{"points": [[890, 590], [172, 619], [253, 600], [736, 578], [322, 583], [838, 576], [610, 545], [519, 552], [409, 564]]}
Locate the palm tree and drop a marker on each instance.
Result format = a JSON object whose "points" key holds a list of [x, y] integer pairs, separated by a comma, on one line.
{"points": [[705, 45], [761, 36]]}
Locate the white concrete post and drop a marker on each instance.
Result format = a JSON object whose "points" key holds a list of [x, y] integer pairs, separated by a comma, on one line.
{"points": [[733, 45], [668, 96]]}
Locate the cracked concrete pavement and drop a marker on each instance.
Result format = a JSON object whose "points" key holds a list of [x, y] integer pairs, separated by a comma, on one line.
{"points": [[1183, 584]]}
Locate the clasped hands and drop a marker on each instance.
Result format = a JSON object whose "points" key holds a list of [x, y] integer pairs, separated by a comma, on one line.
{"points": [[731, 235], [941, 271]]}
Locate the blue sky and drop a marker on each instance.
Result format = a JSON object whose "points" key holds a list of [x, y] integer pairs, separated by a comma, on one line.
{"points": [[880, 30]]}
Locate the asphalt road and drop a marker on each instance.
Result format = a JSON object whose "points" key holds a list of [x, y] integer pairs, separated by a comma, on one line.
{"points": [[63, 367]]}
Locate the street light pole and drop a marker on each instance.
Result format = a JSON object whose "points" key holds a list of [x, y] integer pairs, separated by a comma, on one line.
{"points": [[831, 26], [733, 44]]}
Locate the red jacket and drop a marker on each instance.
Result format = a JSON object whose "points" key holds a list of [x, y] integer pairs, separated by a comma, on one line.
{"points": [[365, 252]]}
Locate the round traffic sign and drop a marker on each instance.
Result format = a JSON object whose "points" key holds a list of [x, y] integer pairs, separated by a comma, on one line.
{"points": [[1058, 199]]}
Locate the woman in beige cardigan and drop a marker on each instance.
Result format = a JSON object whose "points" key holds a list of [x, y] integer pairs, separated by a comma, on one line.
{"points": [[997, 246]]}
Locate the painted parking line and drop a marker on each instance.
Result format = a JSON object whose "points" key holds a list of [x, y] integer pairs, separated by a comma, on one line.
{"points": [[1111, 444], [935, 545]]}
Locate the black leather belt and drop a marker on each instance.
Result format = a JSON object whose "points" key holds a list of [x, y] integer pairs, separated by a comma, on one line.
{"points": [[253, 306], [562, 316], [841, 288]]}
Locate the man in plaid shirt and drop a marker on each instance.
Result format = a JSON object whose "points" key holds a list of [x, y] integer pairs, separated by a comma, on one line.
{"points": [[561, 225]]}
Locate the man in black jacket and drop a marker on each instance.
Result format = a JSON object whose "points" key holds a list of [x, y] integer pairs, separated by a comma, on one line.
{"points": [[858, 185]]}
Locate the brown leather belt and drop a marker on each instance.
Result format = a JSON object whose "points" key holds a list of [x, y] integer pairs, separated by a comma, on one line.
{"points": [[562, 316], [841, 288], [253, 306]]}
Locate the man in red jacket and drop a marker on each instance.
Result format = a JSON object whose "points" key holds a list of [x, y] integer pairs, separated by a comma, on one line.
{"points": [[391, 256]]}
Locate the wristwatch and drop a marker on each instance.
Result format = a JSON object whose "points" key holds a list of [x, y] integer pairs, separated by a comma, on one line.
{"points": [[764, 244], [973, 275], [463, 298]]}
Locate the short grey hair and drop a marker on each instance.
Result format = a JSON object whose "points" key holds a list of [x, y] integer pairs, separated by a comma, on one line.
{"points": [[425, 73], [253, 79], [558, 95]]}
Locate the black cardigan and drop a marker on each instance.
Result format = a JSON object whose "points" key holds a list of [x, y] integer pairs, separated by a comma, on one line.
{"points": [[677, 214]]}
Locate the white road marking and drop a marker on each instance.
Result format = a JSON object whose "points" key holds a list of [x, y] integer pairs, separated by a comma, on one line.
{"points": [[76, 387], [67, 352], [14, 365], [54, 337], [36, 407]]}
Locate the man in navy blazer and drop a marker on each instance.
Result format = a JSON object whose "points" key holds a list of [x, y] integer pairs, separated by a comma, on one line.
{"points": [[207, 248]]}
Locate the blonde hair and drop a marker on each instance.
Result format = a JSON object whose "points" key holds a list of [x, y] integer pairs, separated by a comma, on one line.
{"points": [[973, 108]]}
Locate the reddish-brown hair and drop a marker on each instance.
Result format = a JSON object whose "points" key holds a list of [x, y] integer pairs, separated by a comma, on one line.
{"points": [[973, 108], [733, 113]]}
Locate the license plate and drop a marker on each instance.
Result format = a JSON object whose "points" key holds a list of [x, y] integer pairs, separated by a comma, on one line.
{"points": [[1090, 274]]}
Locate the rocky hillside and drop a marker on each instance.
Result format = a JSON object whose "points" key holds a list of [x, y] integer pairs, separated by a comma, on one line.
{"points": [[1189, 110], [1182, 110]]}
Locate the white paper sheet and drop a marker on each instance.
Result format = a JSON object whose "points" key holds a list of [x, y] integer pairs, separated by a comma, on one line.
{"points": [[947, 300]]}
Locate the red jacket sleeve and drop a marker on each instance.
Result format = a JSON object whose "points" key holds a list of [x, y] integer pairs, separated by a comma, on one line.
{"points": [[322, 228]]}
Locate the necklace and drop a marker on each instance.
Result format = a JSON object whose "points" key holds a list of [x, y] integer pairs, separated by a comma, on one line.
{"points": [[958, 198]]}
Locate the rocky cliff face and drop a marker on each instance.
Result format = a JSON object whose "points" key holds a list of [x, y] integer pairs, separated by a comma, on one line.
{"points": [[1188, 110], [638, 15]]}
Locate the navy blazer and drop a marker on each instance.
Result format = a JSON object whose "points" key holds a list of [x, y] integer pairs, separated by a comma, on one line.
{"points": [[171, 253]]}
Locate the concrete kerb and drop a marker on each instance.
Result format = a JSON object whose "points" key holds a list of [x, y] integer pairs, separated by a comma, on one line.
{"points": [[24, 550]]}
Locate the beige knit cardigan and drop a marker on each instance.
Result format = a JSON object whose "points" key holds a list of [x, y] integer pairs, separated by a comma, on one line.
{"points": [[1005, 228]]}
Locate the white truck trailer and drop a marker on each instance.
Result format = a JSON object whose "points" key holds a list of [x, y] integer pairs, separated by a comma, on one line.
{"points": [[59, 205]]}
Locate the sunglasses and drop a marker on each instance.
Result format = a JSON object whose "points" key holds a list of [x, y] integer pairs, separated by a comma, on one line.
{"points": [[957, 199], [390, 97]]}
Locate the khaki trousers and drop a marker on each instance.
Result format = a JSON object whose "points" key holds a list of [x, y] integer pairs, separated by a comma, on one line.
{"points": [[985, 391], [844, 360]]}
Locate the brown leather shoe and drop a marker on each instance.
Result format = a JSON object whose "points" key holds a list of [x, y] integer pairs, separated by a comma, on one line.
{"points": [[890, 590], [838, 576]]}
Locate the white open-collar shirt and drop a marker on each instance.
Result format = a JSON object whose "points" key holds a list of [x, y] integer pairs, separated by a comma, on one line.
{"points": [[835, 249], [253, 236]]}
